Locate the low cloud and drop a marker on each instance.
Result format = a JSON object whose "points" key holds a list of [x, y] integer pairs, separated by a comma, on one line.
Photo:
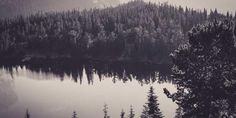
{"points": [[9, 8]]}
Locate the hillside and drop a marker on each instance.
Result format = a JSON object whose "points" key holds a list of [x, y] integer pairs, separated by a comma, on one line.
{"points": [[136, 31]]}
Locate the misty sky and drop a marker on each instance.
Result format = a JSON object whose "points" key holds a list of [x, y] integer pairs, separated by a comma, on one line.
{"points": [[15, 7], [222, 5]]}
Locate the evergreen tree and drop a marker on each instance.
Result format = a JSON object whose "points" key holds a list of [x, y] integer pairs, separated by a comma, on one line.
{"points": [[27, 115], [204, 70], [145, 113], [178, 113], [74, 115], [151, 108], [131, 113], [105, 110], [132, 31], [122, 114]]}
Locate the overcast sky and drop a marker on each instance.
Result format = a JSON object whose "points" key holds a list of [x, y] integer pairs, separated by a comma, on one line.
{"points": [[222, 5], [13, 7]]}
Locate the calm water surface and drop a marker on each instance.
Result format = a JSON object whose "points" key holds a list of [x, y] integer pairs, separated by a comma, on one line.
{"points": [[50, 95]]}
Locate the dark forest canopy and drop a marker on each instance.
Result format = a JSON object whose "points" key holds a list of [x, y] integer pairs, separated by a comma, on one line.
{"points": [[136, 31]]}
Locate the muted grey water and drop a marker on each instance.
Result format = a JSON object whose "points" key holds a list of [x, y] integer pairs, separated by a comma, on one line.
{"points": [[48, 95]]}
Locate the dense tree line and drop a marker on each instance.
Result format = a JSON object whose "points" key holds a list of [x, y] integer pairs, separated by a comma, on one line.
{"points": [[133, 31], [204, 71], [151, 108]]}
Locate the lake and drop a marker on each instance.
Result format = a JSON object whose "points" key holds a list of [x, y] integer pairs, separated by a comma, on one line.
{"points": [[55, 91]]}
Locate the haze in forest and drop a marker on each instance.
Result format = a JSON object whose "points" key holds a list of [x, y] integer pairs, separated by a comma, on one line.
{"points": [[11, 8]]}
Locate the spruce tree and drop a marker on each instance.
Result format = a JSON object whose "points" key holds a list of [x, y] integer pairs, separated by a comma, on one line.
{"points": [[74, 115], [27, 115], [151, 108], [204, 71], [105, 110], [131, 113], [145, 113], [122, 114]]}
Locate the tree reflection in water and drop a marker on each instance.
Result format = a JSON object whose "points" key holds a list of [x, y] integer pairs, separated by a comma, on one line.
{"points": [[90, 73], [143, 73]]}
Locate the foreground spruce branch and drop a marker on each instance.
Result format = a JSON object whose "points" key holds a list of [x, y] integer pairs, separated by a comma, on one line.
{"points": [[205, 72]]}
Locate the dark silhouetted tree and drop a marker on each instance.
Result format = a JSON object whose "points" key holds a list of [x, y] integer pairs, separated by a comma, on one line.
{"points": [[105, 110], [145, 113], [74, 115], [151, 108], [27, 114], [179, 113], [122, 114], [131, 113], [204, 71]]}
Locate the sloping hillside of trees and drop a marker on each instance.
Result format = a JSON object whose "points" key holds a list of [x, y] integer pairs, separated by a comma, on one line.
{"points": [[136, 31]]}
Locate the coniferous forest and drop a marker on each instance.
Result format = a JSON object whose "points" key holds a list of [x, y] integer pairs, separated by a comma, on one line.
{"points": [[188, 54], [136, 31]]}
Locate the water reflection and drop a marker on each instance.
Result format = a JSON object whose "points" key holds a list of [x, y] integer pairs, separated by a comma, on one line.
{"points": [[143, 73], [56, 90], [7, 94]]}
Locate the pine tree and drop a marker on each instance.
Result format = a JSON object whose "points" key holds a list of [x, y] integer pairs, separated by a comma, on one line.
{"points": [[105, 110], [178, 113], [122, 114], [74, 115], [101, 33], [151, 108], [131, 113], [27, 115], [203, 70], [145, 113]]}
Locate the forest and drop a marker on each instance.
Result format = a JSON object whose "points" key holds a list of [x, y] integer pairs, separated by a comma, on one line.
{"points": [[136, 31], [199, 44], [204, 71]]}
